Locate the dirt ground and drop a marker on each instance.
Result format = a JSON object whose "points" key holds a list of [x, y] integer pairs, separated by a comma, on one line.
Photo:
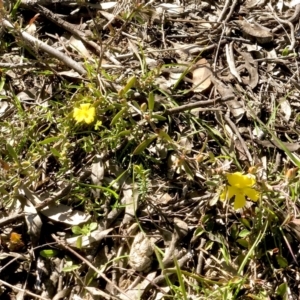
{"points": [[149, 150]]}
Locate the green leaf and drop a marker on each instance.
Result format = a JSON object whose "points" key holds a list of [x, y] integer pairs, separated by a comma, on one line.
{"points": [[245, 222], [12, 153], [130, 83], [55, 152], [164, 136], [124, 133], [76, 229], [71, 268], [47, 253], [243, 243], [158, 117], [285, 51], [282, 290], [244, 233], [93, 226], [118, 116], [151, 101], [50, 140], [142, 146], [79, 242], [199, 231], [283, 263], [102, 188]]}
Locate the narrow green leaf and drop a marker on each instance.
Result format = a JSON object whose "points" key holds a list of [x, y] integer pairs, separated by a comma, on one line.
{"points": [[124, 133], [71, 268], [164, 136], [130, 83], [244, 233], [12, 153], [159, 117], [47, 253], [79, 242], [50, 140], [151, 101], [118, 116], [243, 242], [55, 152], [102, 188], [143, 145], [180, 279]]}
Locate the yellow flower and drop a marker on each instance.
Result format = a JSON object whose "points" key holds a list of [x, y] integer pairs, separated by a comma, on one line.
{"points": [[241, 186], [85, 113]]}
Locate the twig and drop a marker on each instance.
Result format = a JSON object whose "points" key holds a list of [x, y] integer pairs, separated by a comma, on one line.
{"points": [[66, 25], [293, 18], [18, 66], [13, 287], [37, 44], [231, 62], [286, 22], [236, 131], [190, 106], [45, 2], [234, 3], [89, 264], [223, 12]]}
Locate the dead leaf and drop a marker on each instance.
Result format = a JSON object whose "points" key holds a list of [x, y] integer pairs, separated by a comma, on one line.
{"points": [[130, 200], [286, 109], [65, 214], [202, 76], [78, 46], [97, 174], [135, 292], [87, 241], [140, 257], [33, 222]]}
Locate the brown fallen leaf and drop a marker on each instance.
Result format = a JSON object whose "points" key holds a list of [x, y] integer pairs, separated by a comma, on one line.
{"points": [[202, 76]]}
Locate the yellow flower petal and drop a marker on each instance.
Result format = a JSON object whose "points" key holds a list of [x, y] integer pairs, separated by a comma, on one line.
{"points": [[251, 194], [228, 193], [241, 181], [85, 113], [85, 106], [239, 201]]}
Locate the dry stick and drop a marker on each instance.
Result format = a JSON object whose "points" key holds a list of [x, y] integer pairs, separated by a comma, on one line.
{"points": [[65, 246], [287, 22], [189, 106], [293, 18], [234, 3], [236, 131], [37, 44], [18, 66], [66, 25], [223, 12], [13, 287], [45, 2]]}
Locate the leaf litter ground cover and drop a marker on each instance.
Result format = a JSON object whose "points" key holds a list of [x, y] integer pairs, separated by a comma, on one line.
{"points": [[149, 150]]}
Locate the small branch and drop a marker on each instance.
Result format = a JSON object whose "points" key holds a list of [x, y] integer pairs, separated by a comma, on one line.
{"points": [[190, 106], [67, 26], [236, 131], [13, 287], [37, 44], [89, 264]]}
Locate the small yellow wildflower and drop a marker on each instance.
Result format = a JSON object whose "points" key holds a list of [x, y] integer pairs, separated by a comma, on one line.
{"points": [[240, 187], [85, 113]]}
